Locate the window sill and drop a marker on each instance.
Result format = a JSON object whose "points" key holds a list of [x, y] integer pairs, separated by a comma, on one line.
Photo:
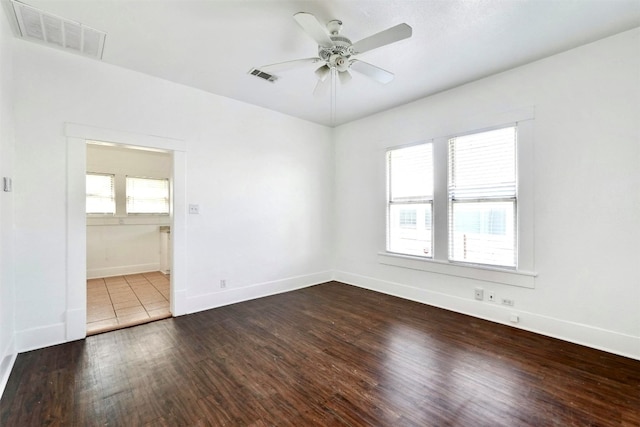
{"points": [[524, 279], [129, 220]]}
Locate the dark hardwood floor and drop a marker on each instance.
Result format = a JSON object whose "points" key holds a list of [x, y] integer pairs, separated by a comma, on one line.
{"points": [[327, 355]]}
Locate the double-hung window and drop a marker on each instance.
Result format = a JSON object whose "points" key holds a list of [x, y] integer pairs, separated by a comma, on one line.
{"points": [[482, 198], [101, 198], [462, 204], [410, 200], [476, 200], [147, 196]]}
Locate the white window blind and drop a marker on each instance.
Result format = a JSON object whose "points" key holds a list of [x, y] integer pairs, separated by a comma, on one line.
{"points": [[482, 191], [410, 200], [147, 196], [100, 194]]}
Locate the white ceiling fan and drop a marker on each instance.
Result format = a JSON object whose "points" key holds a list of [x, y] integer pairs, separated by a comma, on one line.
{"points": [[336, 53]]}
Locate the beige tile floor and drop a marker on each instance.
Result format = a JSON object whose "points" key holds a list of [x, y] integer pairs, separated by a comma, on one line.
{"points": [[121, 301]]}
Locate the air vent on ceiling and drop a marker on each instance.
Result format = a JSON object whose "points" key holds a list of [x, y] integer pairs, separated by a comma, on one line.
{"points": [[265, 76], [39, 26]]}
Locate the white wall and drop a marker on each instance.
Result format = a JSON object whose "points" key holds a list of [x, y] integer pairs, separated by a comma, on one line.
{"points": [[587, 176], [263, 182], [119, 244]]}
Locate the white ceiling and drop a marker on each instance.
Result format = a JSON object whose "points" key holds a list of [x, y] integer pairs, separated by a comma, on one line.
{"points": [[212, 44]]}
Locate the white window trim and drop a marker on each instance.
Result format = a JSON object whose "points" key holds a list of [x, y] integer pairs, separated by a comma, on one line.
{"points": [[519, 278], [524, 275]]}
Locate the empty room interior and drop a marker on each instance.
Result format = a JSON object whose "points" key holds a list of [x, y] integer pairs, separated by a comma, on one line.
{"points": [[398, 213]]}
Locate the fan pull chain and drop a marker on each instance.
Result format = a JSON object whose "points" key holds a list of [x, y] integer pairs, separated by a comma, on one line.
{"points": [[334, 76]]}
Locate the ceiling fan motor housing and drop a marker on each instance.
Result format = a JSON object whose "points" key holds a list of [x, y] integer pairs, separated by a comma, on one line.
{"points": [[337, 55]]}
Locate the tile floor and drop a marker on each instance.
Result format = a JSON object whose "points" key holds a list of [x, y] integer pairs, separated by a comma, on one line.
{"points": [[121, 301]]}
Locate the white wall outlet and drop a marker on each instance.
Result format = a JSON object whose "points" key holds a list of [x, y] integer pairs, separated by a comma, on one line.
{"points": [[479, 294], [507, 301], [223, 283], [514, 318], [194, 209], [491, 296]]}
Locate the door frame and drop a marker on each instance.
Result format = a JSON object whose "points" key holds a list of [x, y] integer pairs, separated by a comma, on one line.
{"points": [[77, 136]]}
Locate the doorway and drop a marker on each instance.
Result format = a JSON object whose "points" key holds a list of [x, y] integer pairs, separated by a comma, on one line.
{"points": [[76, 249], [128, 236]]}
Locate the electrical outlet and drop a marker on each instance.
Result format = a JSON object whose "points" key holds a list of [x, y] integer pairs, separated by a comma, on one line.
{"points": [[492, 296], [223, 283], [479, 294], [507, 301], [194, 209], [514, 318]]}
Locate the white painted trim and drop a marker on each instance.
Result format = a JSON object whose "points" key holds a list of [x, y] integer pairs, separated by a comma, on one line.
{"points": [[76, 242], [123, 269], [525, 279], [76, 321], [258, 290], [132, 140], [44, 336], [179, 234], [601, 339], [9, 357]]}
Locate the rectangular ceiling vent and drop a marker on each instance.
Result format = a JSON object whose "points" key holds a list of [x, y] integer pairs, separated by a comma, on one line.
{"points": [[42, 27], [261, 74]]}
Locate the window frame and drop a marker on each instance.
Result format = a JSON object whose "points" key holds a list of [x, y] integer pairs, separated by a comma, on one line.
{"points": [[451, 200], [113, 195], [126, 196], [407, 202], [524, 274]]}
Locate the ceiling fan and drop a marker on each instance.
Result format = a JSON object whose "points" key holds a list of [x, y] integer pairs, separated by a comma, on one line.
{"points": [[337, 53]]}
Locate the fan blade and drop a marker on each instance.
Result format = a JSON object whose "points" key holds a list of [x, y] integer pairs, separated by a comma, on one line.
{"points": [[323, 72], [322, 88], [345, 77], [313, 28], [376, 73], [388, 36], [288, 65]]}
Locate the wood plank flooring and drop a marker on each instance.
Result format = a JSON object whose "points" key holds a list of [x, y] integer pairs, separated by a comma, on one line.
{"points": [[328, 355]]}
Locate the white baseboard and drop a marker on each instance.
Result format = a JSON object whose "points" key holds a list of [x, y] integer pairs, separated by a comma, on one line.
{"points": [[259, 290], [601, 339], [9, 356], [121, 270], [45, 336]]}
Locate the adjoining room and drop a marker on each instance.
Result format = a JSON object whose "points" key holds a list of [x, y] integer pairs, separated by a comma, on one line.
{"points": [[128, 236]]}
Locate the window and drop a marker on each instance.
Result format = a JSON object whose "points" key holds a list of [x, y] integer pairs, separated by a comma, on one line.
{"points": [[100, 194], [479, 213], [482, 198], [147, 196], [475, 202], [410, 200]]}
